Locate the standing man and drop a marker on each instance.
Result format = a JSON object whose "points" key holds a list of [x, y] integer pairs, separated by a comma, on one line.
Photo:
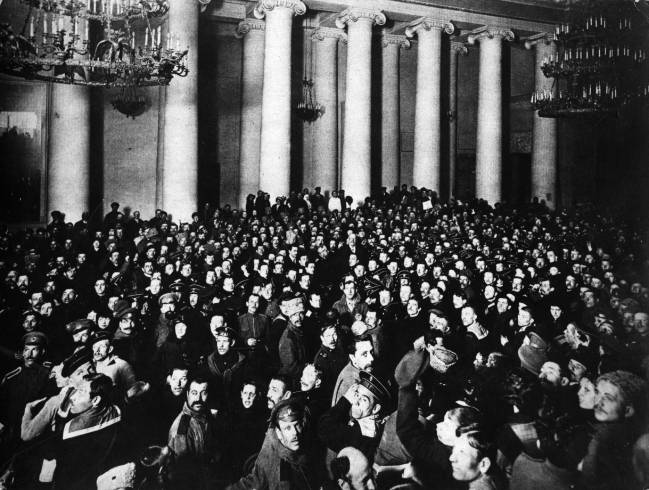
{"points": [[193, 439], [292, 350]]}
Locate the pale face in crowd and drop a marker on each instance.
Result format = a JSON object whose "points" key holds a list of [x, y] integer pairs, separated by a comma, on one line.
{"points": [[177, 381], [363, 357], [248, 395]]}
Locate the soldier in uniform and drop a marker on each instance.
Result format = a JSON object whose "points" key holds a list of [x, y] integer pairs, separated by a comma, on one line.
{"points": [[24, 384]]}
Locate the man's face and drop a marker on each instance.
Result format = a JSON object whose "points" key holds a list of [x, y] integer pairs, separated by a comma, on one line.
{"points": [[464, 461], [252, 304], [641, 323], [127, 324], [586, 394], [315, 300], [80, 400], [297, 318], [177, 381], [609, 404], [309, 378], [248, 395], [197, 396], [100, 287], [101, 350], [364, 404], [524, 318], [555, 312], [31, 354], [412, 308], [349, 290], [329, 338], [223, 344], [276, 391], [589, 299], [502, 305], [290, 434], [468, 316], [550, 374], [363, 357]]}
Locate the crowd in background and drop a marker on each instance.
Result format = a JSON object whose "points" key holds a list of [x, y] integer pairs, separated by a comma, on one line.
{"points": [[320, 343]]}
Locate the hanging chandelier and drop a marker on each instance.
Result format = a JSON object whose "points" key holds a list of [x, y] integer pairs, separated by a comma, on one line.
{"points": [[600, 62], [106, 43], [308, 109]]}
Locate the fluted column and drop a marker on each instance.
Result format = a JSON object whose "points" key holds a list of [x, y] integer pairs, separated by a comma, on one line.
{"points": [[544, 131], [325, 144], [275, 147], [252, 32], [426, 166], [68, 173], [180, 165], [356, 169], [457, 48], [390, 112], [489, 131]]}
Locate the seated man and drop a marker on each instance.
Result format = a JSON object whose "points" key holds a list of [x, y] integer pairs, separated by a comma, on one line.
{"points": [[283, 461], [618, 405], [352, 470], [354, 419], [106, 362], [474, 460], [88, 444]]}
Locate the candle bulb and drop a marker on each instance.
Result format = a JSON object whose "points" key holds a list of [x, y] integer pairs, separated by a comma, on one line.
{"points": [[146, 37], [87, 36], [31, 27]]}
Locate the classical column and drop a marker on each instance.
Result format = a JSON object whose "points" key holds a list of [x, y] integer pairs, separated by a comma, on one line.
{"points": [[356, 170], [68, 172], [426, 166], [252, 32], [325, 142], [180, 167], [275, 148], [489, 133], [390, 128], [544, 132], [457, 48]]}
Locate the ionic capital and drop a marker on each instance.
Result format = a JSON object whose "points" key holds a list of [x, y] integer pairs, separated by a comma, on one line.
{"points": [[392, 39], [249, 24], [543, 38], [354, 14], [490, 32], [265, 6], [322, 33], [428, 23], [459, 48]]}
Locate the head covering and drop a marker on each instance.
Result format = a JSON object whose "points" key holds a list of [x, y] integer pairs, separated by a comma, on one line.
{"points": [[533, 354], [99, 336], [441, 359], [168, 297], [375, 386], [79, 325], [35, 338], [76, 360], [293, 306]]}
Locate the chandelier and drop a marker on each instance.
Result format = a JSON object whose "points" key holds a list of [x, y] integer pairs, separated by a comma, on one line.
{"points": [[308, 109], [600, 63], [106, 43], [130, 102]]}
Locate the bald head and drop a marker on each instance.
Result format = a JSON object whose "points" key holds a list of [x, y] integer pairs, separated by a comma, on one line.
{"points": [[352, 470]]}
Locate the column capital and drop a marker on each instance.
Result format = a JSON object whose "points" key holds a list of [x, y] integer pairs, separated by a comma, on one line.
{"points": [[459, 48], [322, 33], [354, 14], [392, 39], [428, 23], [264, 6], [540, 38], [249, 24], [490, 32]]}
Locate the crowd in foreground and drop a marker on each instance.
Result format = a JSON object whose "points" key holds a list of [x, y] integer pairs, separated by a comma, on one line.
{"points": [[314, 343]]}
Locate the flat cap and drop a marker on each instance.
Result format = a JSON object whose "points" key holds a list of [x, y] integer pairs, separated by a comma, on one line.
{"points": [[79, 325], [375, 386]]}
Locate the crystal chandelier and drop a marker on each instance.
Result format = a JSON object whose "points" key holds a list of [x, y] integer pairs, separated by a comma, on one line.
{"points": [[599, 65], [107, 43]]}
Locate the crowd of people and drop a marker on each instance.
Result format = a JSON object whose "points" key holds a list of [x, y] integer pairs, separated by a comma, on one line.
{"points": [[321, 343]]}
